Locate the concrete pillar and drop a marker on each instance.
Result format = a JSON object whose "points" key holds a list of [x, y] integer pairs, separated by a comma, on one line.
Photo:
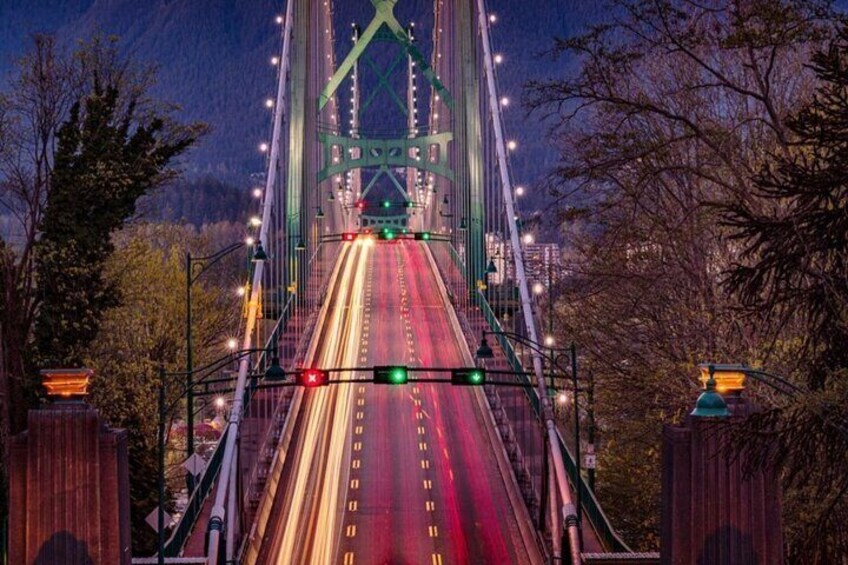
{"points": [[69, 483], [712, 512]]}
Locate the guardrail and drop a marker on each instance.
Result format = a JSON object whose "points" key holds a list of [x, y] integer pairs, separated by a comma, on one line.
{"points": [[591, 508]]}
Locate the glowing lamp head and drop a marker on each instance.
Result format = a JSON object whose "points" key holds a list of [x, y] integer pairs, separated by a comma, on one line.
{"points": [[255, 221], [519, 191], [269, 103], [512, 145], [729, 379], [232, 343], [549, 341], [263, 147], [538, 288], [220, 402], [527, 238], [250, 241], [498, 59], [257, 193], [241, 291]]}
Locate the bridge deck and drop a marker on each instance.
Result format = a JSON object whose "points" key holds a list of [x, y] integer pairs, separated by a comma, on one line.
{"points": [[380, 474]]}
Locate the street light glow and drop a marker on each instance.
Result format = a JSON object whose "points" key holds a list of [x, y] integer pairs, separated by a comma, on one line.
{"points": [[249, 241], [255, 221], [275, 61], [512, 145], [263, 147], [504, 101], [519, 191], [492, 18], [498, 59], [241, 291], [232, 344], [527, 239], [279, 19], [562, 398], [257, 193], [269, 103], [538, 288], [220, 402], [549, 341]]}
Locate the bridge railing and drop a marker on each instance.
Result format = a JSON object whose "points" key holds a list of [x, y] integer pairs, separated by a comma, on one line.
{"points": [[264, 409], [526, 455]]}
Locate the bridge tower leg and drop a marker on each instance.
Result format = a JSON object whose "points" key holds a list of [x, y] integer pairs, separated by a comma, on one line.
{"points": [[468, 135], [302, 128]]}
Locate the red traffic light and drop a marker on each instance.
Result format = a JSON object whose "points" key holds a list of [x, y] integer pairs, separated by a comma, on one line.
{"points": [[348, 236], [312, 378]]}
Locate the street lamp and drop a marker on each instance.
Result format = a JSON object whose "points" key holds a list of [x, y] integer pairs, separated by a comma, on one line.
{"points": [[554, 355], [192, 275], [272, 373]]}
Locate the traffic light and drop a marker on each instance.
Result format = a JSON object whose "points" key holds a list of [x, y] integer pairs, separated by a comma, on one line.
{"points": [[348, 236], [393, 375], [422, 236], [311, 378], [473, 376]]}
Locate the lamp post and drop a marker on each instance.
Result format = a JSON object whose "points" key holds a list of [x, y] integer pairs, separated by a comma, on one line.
{"points": [[554, 356], [204, 263], [273, 373]]}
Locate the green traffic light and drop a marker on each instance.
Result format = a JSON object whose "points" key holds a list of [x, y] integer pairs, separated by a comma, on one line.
{"points": [[392, 375], [386, 203], [476, 377]]}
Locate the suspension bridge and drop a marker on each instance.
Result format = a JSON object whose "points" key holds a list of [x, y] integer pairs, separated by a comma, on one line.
{"points": [[393, 240]]}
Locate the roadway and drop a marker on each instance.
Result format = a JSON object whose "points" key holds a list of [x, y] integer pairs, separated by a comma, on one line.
{"points": [[392, 474]]}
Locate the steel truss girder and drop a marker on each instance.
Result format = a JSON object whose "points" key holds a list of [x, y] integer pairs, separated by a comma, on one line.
{"points": [[384, 17], [386, 153]]}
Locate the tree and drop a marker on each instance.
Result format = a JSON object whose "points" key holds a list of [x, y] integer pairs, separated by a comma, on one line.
{"points": [[673, 109], [794, 266], [146, 329], [77, 93], [105, 161]]}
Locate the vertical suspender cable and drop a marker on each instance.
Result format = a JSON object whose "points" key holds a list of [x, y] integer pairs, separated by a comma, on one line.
{"points": [[526, 307], [216, 519]]}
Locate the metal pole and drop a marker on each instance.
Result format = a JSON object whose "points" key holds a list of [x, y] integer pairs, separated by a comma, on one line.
{"points": [[577, 461], [544, 485], [161, 517], [590, 391], [189, 384]]}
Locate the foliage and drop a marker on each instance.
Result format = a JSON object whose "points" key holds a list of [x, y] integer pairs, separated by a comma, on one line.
{"points": [[105, 161], [675, 108], [146, 329], [794, 265]]}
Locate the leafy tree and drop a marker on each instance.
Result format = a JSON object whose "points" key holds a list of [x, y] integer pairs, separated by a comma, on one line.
{"points": [[794, 266], [105, 161], [148, 272]]}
